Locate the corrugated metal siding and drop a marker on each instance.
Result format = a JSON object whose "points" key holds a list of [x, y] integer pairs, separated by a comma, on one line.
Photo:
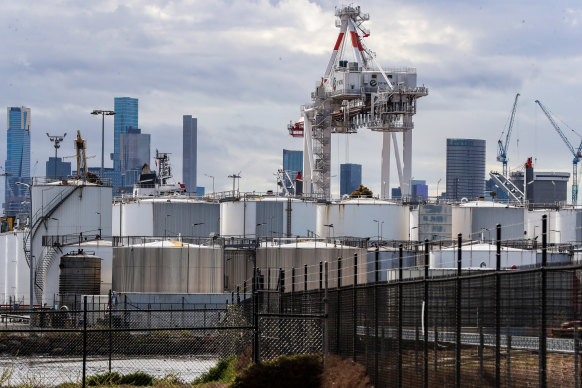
{"points": [[271, 214], [178, 218], [168, 270]]}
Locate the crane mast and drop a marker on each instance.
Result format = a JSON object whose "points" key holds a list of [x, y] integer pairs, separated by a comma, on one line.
{"points": [[502, 151], [353, 95], [576, 153]]}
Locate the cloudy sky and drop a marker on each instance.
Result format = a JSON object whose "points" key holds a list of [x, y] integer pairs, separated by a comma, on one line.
{"points": [[245, 67]]}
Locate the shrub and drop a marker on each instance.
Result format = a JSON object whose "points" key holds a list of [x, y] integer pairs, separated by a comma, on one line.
{"points": [[104, 379], [284, 371], [222, 372], [140, 379]]}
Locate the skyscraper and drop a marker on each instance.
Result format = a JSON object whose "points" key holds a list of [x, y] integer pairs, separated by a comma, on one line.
{"points": [[293, 164], [350, 178], [63, 169], [126, 116], [17, 165], [189, 152], [134, 153], [465, 168]]}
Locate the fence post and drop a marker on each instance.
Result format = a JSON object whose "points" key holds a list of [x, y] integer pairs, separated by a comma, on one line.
{"points": [[543, 323], [576, 352], [293, 290], [338, 308], [281, 288], [268, 293], [325, 312], [354, 307], [425, 313], [508, 372], [237, 294], [110, 334], [255, 296], [376, 342], [400, 310], [498, 309], [305, 278], [458, 308], [84, 341], [245, 290]]}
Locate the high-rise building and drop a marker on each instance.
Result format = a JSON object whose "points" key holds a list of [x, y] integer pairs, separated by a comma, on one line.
{"points": [[350, 178], [17, 166], [419, 190], [189, 152], [465, 169], [126, 116], [134, 153], [292, 164], [57, 169]]}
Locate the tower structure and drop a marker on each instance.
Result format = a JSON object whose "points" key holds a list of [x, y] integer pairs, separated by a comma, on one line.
{"points": [[126, 116], [189, 152], [357, 94], [465, 168], [17, 167]]}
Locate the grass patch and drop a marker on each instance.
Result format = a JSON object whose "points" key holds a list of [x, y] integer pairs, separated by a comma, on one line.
{"points": [[223, 372], [138, 379]]}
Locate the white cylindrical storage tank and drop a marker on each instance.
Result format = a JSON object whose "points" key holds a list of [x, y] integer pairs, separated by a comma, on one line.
{"points": [[565, 230], [363, 218], [267, 217], [14, 270], [168, 267], [479, 219], [482, 256]]}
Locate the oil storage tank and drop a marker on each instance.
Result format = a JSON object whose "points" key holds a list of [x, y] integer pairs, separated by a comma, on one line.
{"points": [[168, 266], [364, 218], [478, 219], [267, 217], [80, 274]]}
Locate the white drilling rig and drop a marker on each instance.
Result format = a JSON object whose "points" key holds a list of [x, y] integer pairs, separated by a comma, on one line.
{"points": [[354, 95]]}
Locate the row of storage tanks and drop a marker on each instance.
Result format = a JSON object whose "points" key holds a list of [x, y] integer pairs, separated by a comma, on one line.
{"points": [[363, 218]]}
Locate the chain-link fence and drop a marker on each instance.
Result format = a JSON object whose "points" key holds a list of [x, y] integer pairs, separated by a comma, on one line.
{"points": [[65, 346]]}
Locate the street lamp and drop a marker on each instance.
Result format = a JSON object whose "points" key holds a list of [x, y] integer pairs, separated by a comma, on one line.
{"points": [[380, 224], [261, 224], [194, 225], [438, 183], [210, 176], [31, 264], [103, 113], [99, 224], [166, 225], [330, 226], [57, 140]]}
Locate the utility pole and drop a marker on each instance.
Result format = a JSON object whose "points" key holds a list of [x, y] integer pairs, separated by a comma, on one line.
{"points": [[57, 140], [103, 113], [234, 178]]}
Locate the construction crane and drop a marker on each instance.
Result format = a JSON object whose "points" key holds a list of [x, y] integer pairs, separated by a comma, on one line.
{"points": [[502, 150], [357, 94], [576, 153]]}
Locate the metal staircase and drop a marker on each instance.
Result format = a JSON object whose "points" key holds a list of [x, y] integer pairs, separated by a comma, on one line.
{"points": [[513, 192], [47, 258]]}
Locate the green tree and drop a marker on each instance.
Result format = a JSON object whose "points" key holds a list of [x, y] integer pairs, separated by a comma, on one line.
{"points": [[362, 191]]}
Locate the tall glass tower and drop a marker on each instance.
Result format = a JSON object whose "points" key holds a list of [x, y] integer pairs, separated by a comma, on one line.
{"points": [[465, 169], [17, 161], [126, 109], [189, 152]]}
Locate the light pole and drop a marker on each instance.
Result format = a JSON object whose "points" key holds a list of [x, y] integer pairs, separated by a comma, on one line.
{"points": [[31, 264], [378, 225], [210, 176], [99, 224], [438, 195], [57, 140], [194, 225], [261, 224], [166, 225], [330, 226], [103, 113]]}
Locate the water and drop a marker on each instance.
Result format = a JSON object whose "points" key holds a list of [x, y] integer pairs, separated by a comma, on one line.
{"points": [[56, 370]]}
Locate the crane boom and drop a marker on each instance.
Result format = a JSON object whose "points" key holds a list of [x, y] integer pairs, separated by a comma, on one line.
{"points": [[557, 128], [577, 154], [502, 152]]}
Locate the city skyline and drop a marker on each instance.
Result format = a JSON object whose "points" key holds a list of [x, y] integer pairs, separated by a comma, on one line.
{"points": [[473, 60]]}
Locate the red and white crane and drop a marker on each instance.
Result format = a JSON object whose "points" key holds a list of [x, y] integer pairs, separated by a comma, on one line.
{"points": [[352, 95]]}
